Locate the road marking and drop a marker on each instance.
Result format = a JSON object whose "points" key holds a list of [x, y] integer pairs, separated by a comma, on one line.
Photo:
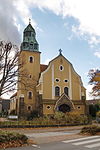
{"points": [[80, 139], [87, 141], [36, 146], [93, 145]]}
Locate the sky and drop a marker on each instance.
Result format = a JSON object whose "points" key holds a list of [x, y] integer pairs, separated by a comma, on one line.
{"points": [[72, 25]]}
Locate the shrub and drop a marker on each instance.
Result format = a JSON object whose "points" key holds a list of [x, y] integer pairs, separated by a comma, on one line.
{"points": [[33, 114], [98, 114], [59, 115], [92, 129], [70, 118], [13, 112], [75, 118], [12, 136]]}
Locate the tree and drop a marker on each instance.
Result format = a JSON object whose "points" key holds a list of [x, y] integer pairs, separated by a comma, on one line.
{"points": [[11, 69], [93, 109], [94, 79], [9, 54]]}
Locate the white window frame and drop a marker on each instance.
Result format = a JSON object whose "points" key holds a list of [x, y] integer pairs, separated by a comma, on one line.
{"points": [[67, 80], [30, 76], [68, 90], [48, 106], [60, 90], [62, 67], [57, 81]]}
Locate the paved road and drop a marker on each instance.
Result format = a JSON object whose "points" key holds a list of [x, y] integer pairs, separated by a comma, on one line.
{"points": [[46, 137], [84, 143], [51, 134]]}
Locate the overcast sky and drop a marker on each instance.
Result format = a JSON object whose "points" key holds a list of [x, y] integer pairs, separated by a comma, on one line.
{"points": [[72, 25]]}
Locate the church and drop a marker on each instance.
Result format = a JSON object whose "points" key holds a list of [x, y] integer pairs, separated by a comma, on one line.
{"points": [[47, 88]]}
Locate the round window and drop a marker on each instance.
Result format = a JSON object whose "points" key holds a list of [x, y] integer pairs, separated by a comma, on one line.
{"points": [[66, 80], [79, 107], [57, 80], [48, 107]]}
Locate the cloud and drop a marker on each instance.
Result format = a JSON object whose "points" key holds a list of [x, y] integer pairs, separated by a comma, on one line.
{"points": [[15, 14], [97, 54], [85, 12], [88, 90], [8, 30]]}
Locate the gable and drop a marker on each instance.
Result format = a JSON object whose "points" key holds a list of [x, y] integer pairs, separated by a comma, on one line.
{"points": [[61, 73], [64, 99]]}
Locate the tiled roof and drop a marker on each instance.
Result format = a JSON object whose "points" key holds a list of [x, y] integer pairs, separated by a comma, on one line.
{"points": [[94, 101], [15, 94], [43, 67]]}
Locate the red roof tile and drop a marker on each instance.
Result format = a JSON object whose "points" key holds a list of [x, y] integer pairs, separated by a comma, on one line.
{"points": [[43, 67], [15, 94]]}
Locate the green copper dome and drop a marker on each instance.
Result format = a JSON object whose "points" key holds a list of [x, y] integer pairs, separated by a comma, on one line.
{"points": [[29, 39], [29, 28]]}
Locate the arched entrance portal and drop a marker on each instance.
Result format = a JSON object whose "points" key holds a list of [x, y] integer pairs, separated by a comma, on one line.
{"points": [[64, 108]]}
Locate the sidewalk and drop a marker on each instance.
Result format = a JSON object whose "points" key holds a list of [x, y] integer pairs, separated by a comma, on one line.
{"points": [[42, 130]]}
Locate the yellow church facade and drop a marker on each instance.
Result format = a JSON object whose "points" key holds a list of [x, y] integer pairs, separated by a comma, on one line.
{"points": [[50, 88]]}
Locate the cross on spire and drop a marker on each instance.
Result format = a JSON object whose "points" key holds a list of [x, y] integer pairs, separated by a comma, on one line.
{"points": [[29, 21], [60, 51]]}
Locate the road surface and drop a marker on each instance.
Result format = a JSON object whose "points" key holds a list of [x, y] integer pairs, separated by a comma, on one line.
{"points": [[83, 143]]}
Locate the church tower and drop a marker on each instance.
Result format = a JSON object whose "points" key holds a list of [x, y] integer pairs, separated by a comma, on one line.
{"points": [[30, 56]]}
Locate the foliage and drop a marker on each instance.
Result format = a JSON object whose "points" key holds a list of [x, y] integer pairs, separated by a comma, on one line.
{"points": [[92, 129], [93, 109], [59, 116], [32, 115], [98, 114], [57, 119], [94, 79], [11, 136], [13, 112], [75, 118]]}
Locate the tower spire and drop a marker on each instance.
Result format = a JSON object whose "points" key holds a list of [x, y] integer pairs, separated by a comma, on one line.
{"points": [[29, 39]]}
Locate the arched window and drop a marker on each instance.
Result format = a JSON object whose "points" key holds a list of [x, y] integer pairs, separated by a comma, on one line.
{"points": [[30, 95], [57, 91], [35, 46], [31, 59], [66, 90], [29, 108], [31, 46], [28, 33]]}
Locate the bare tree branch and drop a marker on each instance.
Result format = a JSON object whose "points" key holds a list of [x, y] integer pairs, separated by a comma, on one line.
{"points": [[11, 69]]}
